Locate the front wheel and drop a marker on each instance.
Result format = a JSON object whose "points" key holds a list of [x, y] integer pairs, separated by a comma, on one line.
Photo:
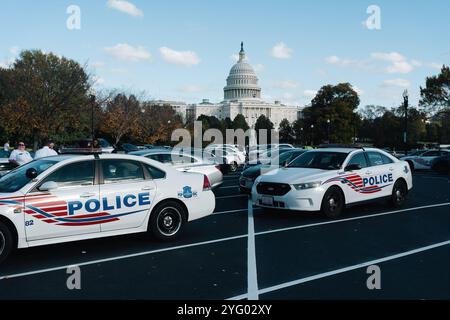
{"points": [[167, 221], [399, 193], [6, 242], [333, 203]]}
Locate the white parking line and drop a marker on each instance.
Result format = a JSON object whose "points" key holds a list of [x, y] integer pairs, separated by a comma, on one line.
{"points": [[352, 219], [346, 269], [214, 241], [120, 257], [252, 273]]}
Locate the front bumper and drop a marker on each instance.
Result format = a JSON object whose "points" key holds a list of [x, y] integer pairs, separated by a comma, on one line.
{"points": [[296, 200]]}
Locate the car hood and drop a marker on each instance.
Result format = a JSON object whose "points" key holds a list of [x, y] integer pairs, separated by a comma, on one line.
{"points": [[298, 175]]}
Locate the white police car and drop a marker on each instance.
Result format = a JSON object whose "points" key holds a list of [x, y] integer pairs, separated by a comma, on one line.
{"points": [[70, 198], [327, 180]]}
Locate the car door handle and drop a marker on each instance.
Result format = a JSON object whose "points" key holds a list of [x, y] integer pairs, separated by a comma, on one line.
{"points": [[88, 195], [148, 188]]}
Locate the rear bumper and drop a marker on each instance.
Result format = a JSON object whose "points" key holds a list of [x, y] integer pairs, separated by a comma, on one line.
{"points": [[202, 206]]}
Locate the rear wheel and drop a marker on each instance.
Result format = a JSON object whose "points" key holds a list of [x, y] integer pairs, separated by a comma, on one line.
{"points": [[167, 221], [6, 242], [333, 203], [399, 193]]}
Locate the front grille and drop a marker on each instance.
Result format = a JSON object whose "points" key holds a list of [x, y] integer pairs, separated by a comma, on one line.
{"points": [[273, 189]]}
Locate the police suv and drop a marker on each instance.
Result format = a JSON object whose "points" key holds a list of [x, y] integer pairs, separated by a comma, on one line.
{"points": [[327, 180], [69, 198]]}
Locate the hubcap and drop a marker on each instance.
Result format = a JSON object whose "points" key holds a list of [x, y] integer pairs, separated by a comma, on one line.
{"points": [[2, 242], [399, 194], [332, 203], [169, 221]]}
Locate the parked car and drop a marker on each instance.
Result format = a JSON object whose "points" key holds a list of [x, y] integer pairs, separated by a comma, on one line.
{"points": [[125, 148], [228, 157], [423, 161], [249, 175], [256, 151], [441, 164], [84, 144], [186, 162]]}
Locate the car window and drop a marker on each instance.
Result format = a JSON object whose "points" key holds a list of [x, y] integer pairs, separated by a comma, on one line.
{"points": [[177, 159], [360, 159], [115, 171], [155, 173], [319, 160], [375, 158], [73, 175], [386, 159]]}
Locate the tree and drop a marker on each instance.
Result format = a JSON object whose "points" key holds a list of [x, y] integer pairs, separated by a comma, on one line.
{"points": [[239, 122], [156, 123], [286, 132], [43, 95], [122, 117], [332, 110], [299, 131], [436, 97], [263, 123]]}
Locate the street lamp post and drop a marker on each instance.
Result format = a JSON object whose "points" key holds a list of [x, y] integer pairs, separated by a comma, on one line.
{"points": [[93, 98], [405, 134], [328, 130], [301, 136], [312, 135]]}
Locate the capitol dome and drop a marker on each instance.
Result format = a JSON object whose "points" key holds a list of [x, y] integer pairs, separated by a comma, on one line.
{"points": [[242, 83]]}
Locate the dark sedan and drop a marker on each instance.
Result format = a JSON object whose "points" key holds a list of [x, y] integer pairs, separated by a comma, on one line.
{"points": [[441, 164], [250, 174]]}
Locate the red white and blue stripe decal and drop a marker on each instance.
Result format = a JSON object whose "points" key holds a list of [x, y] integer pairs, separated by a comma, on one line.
{"points": [[357, 184]]}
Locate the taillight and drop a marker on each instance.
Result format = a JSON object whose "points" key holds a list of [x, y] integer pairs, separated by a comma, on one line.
{"points": [[206, 184]]}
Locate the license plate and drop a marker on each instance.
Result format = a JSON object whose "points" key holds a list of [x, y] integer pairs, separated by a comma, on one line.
{"points": [[267, 201]]}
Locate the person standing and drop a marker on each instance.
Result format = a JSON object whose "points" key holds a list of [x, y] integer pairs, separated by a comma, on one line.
{"points": [[20, 156], [6, 146], [46, 151]]}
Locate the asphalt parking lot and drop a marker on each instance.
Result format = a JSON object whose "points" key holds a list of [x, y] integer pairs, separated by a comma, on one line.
{"points": [[240, 253]]}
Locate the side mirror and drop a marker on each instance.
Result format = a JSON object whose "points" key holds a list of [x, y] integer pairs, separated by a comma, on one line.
{"points": [[353, 167], [48, 186], [31, 173]]}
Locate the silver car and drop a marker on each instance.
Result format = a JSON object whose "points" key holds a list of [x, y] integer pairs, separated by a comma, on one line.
{"points": [[186, 162]]}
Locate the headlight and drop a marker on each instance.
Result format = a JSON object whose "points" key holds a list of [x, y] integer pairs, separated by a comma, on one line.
{"points": [[308, 185]]}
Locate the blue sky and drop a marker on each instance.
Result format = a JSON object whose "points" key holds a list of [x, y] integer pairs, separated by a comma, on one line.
{"points": [[183, 49]]}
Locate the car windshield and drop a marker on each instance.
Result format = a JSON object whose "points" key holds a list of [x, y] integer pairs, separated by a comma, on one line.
{"points": [[17, 179], [320, 160]]}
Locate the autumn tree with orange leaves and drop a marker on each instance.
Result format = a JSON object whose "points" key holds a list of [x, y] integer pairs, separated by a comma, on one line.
{"points": [[42, 95]]}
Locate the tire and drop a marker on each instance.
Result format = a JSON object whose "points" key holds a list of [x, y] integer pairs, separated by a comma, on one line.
{"points": [[399, 192], [411, 165], [167, 221], [333, 203], [233, 167], [6, 242]]}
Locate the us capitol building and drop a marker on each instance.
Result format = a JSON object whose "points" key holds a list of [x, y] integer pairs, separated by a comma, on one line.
{"points": [[242, 95]]}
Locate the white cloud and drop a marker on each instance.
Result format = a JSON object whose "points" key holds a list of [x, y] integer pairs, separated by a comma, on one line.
{"points": [[402, 83], [98, 81], [126, 52], [310, 94], [358, 90], [126, 7], [184, 58], [14, 52], [191, 88], [281, 51], [344, 62], [98, 64], [435, 65], [399, 63], [288, 84]]}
